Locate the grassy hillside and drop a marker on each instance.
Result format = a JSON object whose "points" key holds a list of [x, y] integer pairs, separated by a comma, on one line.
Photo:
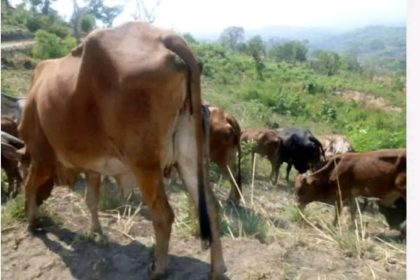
{"points": [[370, 110], [296, 95]]}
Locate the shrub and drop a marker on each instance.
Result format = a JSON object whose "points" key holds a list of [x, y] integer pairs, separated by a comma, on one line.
{"points": [[328, 111], [48, 45]]}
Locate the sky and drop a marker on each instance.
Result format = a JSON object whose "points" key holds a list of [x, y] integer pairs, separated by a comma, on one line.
{"points": [[204, 16]]}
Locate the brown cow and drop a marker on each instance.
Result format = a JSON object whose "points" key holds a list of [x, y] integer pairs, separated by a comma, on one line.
{"points": [[122, 103], [268, 144], [225, 134], [380, 174]]}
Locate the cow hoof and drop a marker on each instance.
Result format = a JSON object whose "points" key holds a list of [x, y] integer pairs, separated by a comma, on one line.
{"points": [[205, 244], [221, 276], [96, 230], [36, 226], [155, 275]]}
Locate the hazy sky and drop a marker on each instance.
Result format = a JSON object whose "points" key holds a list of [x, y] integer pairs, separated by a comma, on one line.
{"points": [[199, 16]]}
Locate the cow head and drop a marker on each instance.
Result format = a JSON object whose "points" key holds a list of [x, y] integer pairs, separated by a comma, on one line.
{"points": [[305, 189]]}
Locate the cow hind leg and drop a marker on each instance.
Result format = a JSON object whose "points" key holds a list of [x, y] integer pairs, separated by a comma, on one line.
{"points": [[93, 185], [275, 167], [188, 172], [353, 209], [201, 194], [234, 195], [38, 187], [151, 185]]}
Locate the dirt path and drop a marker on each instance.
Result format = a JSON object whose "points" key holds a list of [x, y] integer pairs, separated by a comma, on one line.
{"points": [[16, 44], [370, 100]]}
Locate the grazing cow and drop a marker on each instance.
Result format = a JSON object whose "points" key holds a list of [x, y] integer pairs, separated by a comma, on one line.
{"points": [[268, 144], [125, 102], [224, 144], [9, 163], [300, 149], [380, 174], [335, 144]]}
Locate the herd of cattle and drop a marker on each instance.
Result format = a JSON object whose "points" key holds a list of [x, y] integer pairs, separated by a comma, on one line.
{"points": [[127, 103]]}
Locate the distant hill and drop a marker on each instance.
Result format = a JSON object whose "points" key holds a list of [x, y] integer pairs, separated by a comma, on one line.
{"points": [[370, 39], [381, 49]]}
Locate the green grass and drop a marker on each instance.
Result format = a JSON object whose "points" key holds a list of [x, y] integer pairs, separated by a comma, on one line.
{"points": [[13, 211], [15, 82]]}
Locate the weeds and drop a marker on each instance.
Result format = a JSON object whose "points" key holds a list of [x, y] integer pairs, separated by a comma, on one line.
{"points": [[14, 211], [109, 199]]}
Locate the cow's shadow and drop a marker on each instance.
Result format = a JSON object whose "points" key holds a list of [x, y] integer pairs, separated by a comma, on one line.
{"points": [[87, 260]]}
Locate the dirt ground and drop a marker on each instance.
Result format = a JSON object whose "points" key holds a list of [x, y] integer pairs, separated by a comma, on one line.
{"points": [[294, 251]]}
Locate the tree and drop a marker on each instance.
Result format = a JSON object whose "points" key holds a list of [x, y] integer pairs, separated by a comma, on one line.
{"points": [[87, 23], [326, 62], [291, 51], [97, 9], [257, 51], [42, 6], [75, 18], [103, 13], [351, 62], [232, 36], [146, 13]]}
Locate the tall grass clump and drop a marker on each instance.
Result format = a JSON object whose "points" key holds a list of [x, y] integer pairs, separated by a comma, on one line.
{"points": [[243, 222], [14, 211]]}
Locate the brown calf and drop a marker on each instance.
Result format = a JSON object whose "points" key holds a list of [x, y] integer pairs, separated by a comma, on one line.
{"points": [[380, 174], [268, 144]]}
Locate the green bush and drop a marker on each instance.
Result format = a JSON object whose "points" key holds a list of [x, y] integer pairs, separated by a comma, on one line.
{"points": [[48, 45], [87, 23]]}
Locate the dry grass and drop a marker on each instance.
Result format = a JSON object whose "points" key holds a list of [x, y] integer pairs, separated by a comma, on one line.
{"points": [[267, 214]]}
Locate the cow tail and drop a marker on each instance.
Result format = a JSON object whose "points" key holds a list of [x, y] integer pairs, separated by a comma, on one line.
{"points": [[237, 139], [239, 176], [177, 45]]}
